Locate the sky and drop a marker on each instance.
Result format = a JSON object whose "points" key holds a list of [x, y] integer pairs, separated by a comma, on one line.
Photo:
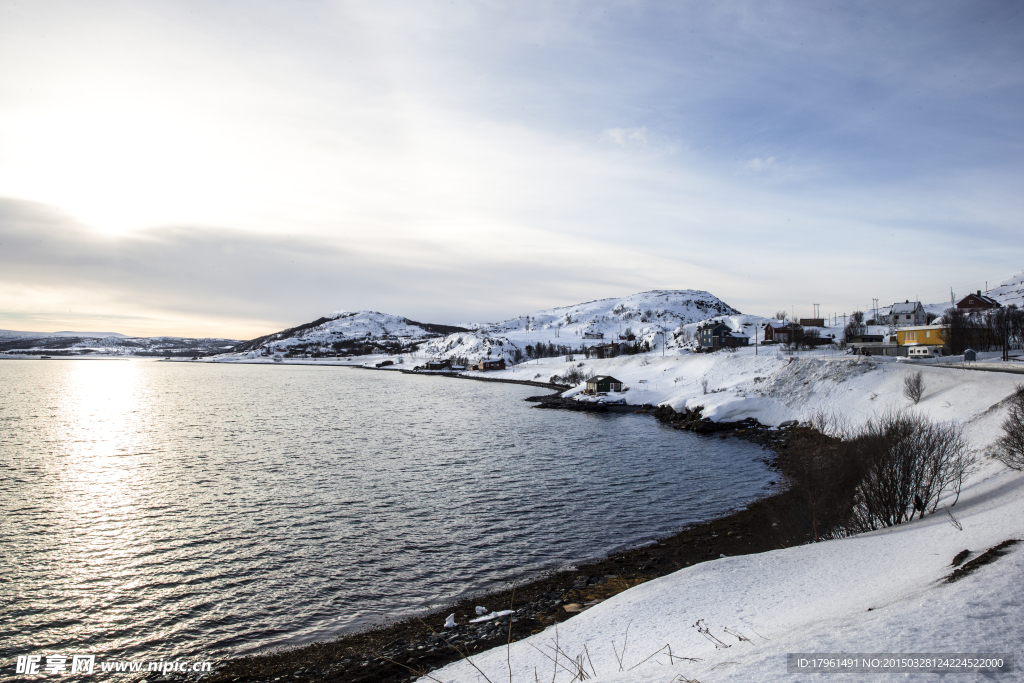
{"points": [[229, 169]]}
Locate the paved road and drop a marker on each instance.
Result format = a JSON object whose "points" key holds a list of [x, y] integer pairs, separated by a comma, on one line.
{"points": [[985, 367]]}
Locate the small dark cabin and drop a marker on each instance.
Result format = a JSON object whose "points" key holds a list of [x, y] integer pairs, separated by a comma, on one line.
{"points": [[603, 384]]}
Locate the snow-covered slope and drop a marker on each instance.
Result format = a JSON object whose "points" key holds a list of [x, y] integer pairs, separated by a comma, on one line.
{"points": [[650, 316], [354, 332], [13, 343], [1010, 291], [880, 592]]}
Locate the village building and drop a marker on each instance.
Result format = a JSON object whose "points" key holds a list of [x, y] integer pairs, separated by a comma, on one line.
{"points": [[812, 322], [922, 340], [781, 332], [603, 384], [977, 302], [872, 345], [439, 364], [712, 336], [606, 350], [593, 335], [909, 314], [491, 364]]}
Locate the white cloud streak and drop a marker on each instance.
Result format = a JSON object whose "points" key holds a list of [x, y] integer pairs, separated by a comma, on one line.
{"points": [[514, 156]]}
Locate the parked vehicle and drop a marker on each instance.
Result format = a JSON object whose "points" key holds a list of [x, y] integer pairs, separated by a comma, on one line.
{"points": [[923, 352]]}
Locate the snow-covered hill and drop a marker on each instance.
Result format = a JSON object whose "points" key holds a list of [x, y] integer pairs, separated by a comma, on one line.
{"points": [[14, 343], [359, 332], [654, 317], [1010, 291]]}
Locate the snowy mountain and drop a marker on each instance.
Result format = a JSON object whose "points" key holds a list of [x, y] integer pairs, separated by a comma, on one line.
{"points": [[14, 342], [654, 317], [359, 332]]}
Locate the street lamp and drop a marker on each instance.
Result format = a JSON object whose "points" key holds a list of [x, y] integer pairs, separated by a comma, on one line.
{"points": [[755, 336]]}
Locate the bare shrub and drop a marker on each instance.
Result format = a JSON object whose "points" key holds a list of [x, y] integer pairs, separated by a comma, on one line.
{"points": [[572, 376], [908, 464], [913, 387], [704, 384], [1011, 444], [830, 424], [844, 480]]}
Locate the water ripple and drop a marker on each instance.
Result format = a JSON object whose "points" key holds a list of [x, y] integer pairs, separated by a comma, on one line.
{"points": [[166, 510]]}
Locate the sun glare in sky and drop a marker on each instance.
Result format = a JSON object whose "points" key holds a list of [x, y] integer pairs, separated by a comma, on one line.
{"points": [[119, 168], [259, 166]]}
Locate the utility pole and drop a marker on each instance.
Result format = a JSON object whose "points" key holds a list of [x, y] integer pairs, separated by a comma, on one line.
{"points": [[875, 302]]}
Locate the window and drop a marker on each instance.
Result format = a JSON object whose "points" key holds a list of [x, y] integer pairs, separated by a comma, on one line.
{"points": [[911, 336], [928, 334]]}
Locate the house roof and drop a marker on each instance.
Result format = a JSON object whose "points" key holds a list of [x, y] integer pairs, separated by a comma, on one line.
{"points": [[603, 378], [983, 297], [906, 307]]}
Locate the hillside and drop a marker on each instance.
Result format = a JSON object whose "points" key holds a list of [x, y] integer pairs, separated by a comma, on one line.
{"points": [[359, 332], [14, 343], [654, 316], [1010, 291]]}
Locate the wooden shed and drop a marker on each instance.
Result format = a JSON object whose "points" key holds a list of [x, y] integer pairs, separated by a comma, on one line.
{"points": [[603, 383]]}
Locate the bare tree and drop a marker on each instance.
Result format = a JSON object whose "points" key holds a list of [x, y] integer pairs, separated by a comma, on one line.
{"points": [[913, 387], [809, 339], [781, 315], [704, 384], [855, 327], [956, 330], [1011, 444]]}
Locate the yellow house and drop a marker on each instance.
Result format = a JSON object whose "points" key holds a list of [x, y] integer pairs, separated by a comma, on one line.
{"points": [[925, 335]]}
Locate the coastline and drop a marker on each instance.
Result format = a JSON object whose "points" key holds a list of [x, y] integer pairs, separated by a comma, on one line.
{"points": [[775, 390], [407, 648]]}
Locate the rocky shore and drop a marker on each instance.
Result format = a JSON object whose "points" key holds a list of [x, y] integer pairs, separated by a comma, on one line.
{"points": [[409, 648]]}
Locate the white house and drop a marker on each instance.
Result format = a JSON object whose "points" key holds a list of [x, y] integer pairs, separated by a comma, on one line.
{"points": [[909, 314]]}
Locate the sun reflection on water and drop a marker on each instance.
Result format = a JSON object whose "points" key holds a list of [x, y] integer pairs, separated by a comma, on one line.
{"points": [[103, 446]]}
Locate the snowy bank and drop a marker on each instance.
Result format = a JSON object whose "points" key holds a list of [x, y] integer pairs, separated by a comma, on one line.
{"points": [[879, 592]]}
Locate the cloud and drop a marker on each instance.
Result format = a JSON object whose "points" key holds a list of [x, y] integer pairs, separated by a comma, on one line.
{"points": [[625, 137], [193, 163], [761, 165], [218, 282]]}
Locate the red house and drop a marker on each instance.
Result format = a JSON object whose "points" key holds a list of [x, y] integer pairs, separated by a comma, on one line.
{"points": [[782, 333], [977, 302]]}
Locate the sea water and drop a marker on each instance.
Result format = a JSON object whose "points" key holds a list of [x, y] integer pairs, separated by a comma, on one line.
{"points": [[155, 510]]}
